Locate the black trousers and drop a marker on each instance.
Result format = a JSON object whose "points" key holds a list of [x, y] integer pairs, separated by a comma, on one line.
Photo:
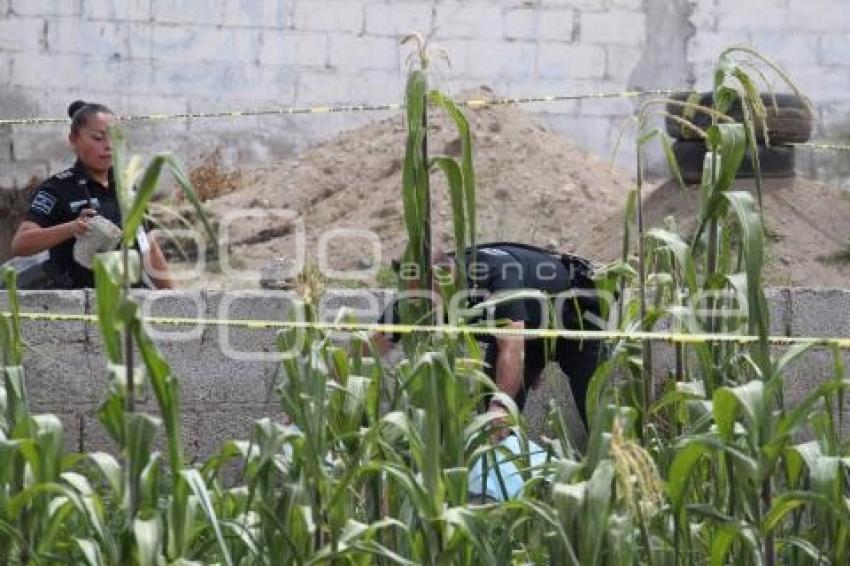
{"points": [[577, 359]]}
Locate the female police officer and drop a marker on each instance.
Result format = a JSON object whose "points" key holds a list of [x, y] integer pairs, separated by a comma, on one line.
{"points": [[64, 204]]}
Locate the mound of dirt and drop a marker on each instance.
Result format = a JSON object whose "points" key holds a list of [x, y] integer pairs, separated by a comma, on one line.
{"points": [[807, 228], [532, 186]]}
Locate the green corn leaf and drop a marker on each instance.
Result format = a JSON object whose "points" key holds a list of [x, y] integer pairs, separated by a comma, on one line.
{"points": [[730, 142], [148, 538], [790, 500], [147, 188], [751, 399], [596, 511], [91, 551], [189, 192], [196, 484]]}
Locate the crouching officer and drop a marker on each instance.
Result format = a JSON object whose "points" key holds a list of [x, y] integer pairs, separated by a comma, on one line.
{"points": [[515, 364]]}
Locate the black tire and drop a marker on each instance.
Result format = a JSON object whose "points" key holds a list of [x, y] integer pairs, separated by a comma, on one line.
{"points": [[775, 162], [789, 121]]}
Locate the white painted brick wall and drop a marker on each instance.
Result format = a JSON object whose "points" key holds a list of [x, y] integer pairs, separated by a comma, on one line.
{"points": [[398, 19], [21, 34], [158, 56], [491, 60], [355, 53], [469, 19], [584, 5], [258, 13], [835, 49], [47, 7], [329, 15], [614, 27], [573, 61], [104, 38], [534, 24], [118, 10], [188, 12], [289, 47], [191, 44]]}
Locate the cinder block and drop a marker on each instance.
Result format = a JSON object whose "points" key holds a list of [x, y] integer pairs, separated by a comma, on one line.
{"points": [[621, 63], [252, 344], [17, 175], [94, 436], [188, 12], [209, 430], [583, 5], [47, 7], [118, 10], [104, 39], [190, 44], [60, 377], [614, 27], [275, 14], [628, 4], [819, 16], [705, 47], [820, 312], [5, 68], [834, 48], [299, 49], [491, 60], [826, 85], [328, 15], [535, 24], [754, 17], [76, 72], [834, 118], [352, 54], [42, 331], [198, 79], [398, 19], [37, 70], [573, 61], [30, 144], [468, 20], [4, 8], [779, 310], [325, 87], [792, 51], [21, 34]]}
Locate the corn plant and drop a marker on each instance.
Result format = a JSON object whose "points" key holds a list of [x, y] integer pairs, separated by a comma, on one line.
{"points": [[721, 435]]}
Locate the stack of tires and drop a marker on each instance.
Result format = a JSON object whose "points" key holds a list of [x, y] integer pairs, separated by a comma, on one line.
{"points": [[788, 121]]}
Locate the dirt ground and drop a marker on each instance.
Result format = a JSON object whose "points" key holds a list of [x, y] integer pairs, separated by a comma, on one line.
{"points": [[533, 186]]}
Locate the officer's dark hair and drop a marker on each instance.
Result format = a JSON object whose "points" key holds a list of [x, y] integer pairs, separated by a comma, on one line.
{"points": [[80, 112]]}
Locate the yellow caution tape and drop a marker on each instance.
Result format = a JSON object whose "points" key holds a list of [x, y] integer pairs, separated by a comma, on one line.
{"points": [[475, 103], [670, 337]]}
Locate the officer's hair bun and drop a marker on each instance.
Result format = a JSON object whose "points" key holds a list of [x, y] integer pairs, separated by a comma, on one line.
{"points": [[74, 107]]}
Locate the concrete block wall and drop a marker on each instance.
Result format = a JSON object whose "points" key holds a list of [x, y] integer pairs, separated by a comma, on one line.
{"points": [[166, 56], [228, 377]]}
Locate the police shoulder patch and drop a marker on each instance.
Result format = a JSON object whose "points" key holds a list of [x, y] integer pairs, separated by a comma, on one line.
{"points": [[66, 174], [43, 203]]}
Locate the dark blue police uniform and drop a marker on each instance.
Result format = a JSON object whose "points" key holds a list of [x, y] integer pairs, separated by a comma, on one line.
{"points": [[59, 200], [497, 269]]}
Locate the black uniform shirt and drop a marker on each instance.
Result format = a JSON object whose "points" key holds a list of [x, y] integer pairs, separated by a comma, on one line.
{"points": [[59, 200], [500, 268]]}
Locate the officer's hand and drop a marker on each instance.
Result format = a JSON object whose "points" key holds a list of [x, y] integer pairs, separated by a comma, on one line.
{"points": [[81, 225]]}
